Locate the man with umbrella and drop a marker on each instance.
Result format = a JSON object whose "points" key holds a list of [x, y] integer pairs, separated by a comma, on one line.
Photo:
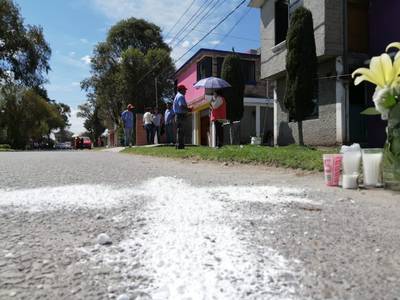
{"points": [[180, 109]]}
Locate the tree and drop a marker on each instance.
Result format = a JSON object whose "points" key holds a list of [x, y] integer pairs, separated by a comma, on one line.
{"points": [[24, 53], [301, 68], [232, 72], [64, 135], [93, 124], [131, 49], [26, 116]]}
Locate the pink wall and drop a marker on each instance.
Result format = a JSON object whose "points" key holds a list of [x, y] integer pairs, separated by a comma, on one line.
{"points": [[188, 78]]}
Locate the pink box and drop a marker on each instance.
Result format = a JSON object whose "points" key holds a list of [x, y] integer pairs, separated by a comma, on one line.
{"points": [[332, 168]]}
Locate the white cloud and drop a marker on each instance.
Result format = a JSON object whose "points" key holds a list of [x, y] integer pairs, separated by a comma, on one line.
{"points": [[86, 59], [215, 42], [72, 53], [165, 13], [185, 44], [84, 41], [76, 123], [75, 83]]}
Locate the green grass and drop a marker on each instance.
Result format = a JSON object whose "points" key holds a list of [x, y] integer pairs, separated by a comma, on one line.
{"points": [[5, 148], [293, 156]]}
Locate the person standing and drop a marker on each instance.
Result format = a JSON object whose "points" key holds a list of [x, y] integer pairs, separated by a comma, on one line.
{"points": [[180, 111], [148, 119], [169, 123], [128, 121], [218, 116], [157, 125]]}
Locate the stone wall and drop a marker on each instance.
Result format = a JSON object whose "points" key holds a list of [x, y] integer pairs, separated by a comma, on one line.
{"points": [[318, 131]]}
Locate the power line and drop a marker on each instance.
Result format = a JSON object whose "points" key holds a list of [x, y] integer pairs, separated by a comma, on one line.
{"points": [[234, 26], [212, 29], [207, 14], [190, 20], [231, 36], [202, 39], [180, 18]]}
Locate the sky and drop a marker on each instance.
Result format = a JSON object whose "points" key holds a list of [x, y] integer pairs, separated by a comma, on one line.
{"points": [[74, 27]]}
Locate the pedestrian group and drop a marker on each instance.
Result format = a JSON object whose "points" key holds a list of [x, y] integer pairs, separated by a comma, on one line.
{"points": [[174, 116]]}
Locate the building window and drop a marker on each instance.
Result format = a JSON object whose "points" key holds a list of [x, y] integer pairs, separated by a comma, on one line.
{"points": [[204, 68], [249, 71], [220, 62], [281, 21]]}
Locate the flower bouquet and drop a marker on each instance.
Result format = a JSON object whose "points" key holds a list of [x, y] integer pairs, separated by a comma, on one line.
{"points": [[385, 74]]}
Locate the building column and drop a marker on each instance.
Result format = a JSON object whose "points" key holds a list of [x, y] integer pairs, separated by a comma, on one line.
{"points": [[341, 107], [196, 128], [276, 122], [258, 120], [213, 136]]}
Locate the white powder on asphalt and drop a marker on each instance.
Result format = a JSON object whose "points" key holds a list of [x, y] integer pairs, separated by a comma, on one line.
{"points": [[192, 245]]}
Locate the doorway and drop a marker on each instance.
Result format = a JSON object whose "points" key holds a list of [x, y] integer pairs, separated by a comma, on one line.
{"points": [[204, 130]]}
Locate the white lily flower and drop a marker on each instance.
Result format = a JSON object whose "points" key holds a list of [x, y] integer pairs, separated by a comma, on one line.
{"points": [[380, 97]]}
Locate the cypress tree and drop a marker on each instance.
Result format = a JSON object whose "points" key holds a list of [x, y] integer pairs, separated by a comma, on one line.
{"points": [[301, 67], [232, 72]]}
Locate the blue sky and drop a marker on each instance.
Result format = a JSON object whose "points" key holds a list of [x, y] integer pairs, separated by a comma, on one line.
{"points": [[74, 27]]}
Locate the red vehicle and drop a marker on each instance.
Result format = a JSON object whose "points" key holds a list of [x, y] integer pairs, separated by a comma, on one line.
{"points": [[87, 143]]}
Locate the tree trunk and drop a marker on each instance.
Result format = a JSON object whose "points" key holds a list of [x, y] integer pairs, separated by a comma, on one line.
{"points": [[301, 138], [230, 133]]}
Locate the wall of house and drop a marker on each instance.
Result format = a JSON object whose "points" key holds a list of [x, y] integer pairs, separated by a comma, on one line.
{"points": [[188, 78], [384, 27], [328, 34], [318, 131]]}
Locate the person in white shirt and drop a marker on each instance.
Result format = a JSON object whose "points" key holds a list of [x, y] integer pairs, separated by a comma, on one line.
{"points": [[148, 119]]}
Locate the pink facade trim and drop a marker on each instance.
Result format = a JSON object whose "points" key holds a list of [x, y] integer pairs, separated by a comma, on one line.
{"points": [[188, 78]]}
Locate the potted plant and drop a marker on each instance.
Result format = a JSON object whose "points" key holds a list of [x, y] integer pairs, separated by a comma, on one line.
{"points": [[384, 72]]}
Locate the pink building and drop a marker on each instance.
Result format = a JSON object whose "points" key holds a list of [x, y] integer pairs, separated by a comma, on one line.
{"points": [[257, 119]]}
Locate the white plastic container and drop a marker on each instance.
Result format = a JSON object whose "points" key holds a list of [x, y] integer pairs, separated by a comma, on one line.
{"points": [[255, 140], [351, 159]]}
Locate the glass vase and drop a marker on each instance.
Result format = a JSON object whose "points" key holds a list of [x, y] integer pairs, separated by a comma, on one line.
{"points": [[391, 155]]}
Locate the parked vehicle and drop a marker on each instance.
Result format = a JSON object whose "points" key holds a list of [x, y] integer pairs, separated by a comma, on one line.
{"points": [[63, 146], [87, 143]]}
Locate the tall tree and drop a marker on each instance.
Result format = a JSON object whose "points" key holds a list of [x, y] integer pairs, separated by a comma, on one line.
{"points": [[132, 47], [301, 68], [232, 72], [24, 52]]}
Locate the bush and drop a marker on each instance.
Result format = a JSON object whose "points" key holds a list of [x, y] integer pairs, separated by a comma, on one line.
{"points": [[5, 146]]}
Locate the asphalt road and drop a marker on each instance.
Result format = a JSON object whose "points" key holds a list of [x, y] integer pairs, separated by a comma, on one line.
{"points": [[188, 230]]}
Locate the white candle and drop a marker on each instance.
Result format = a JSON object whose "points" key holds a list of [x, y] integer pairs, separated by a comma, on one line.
{"points": [[350, 181], [372, 160]]}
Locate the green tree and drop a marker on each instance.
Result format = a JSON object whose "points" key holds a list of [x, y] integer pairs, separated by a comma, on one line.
{"points": [[27, 116], [232, 72], [93, 124], [132, 47], [24, 52], [301, 68]]}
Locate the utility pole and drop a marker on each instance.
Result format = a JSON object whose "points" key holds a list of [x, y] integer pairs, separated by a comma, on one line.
{"points": [[155, 83]]}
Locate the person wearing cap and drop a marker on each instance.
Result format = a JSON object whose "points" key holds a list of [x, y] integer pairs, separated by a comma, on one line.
{"points": [[180, 110], [128, 120]]}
